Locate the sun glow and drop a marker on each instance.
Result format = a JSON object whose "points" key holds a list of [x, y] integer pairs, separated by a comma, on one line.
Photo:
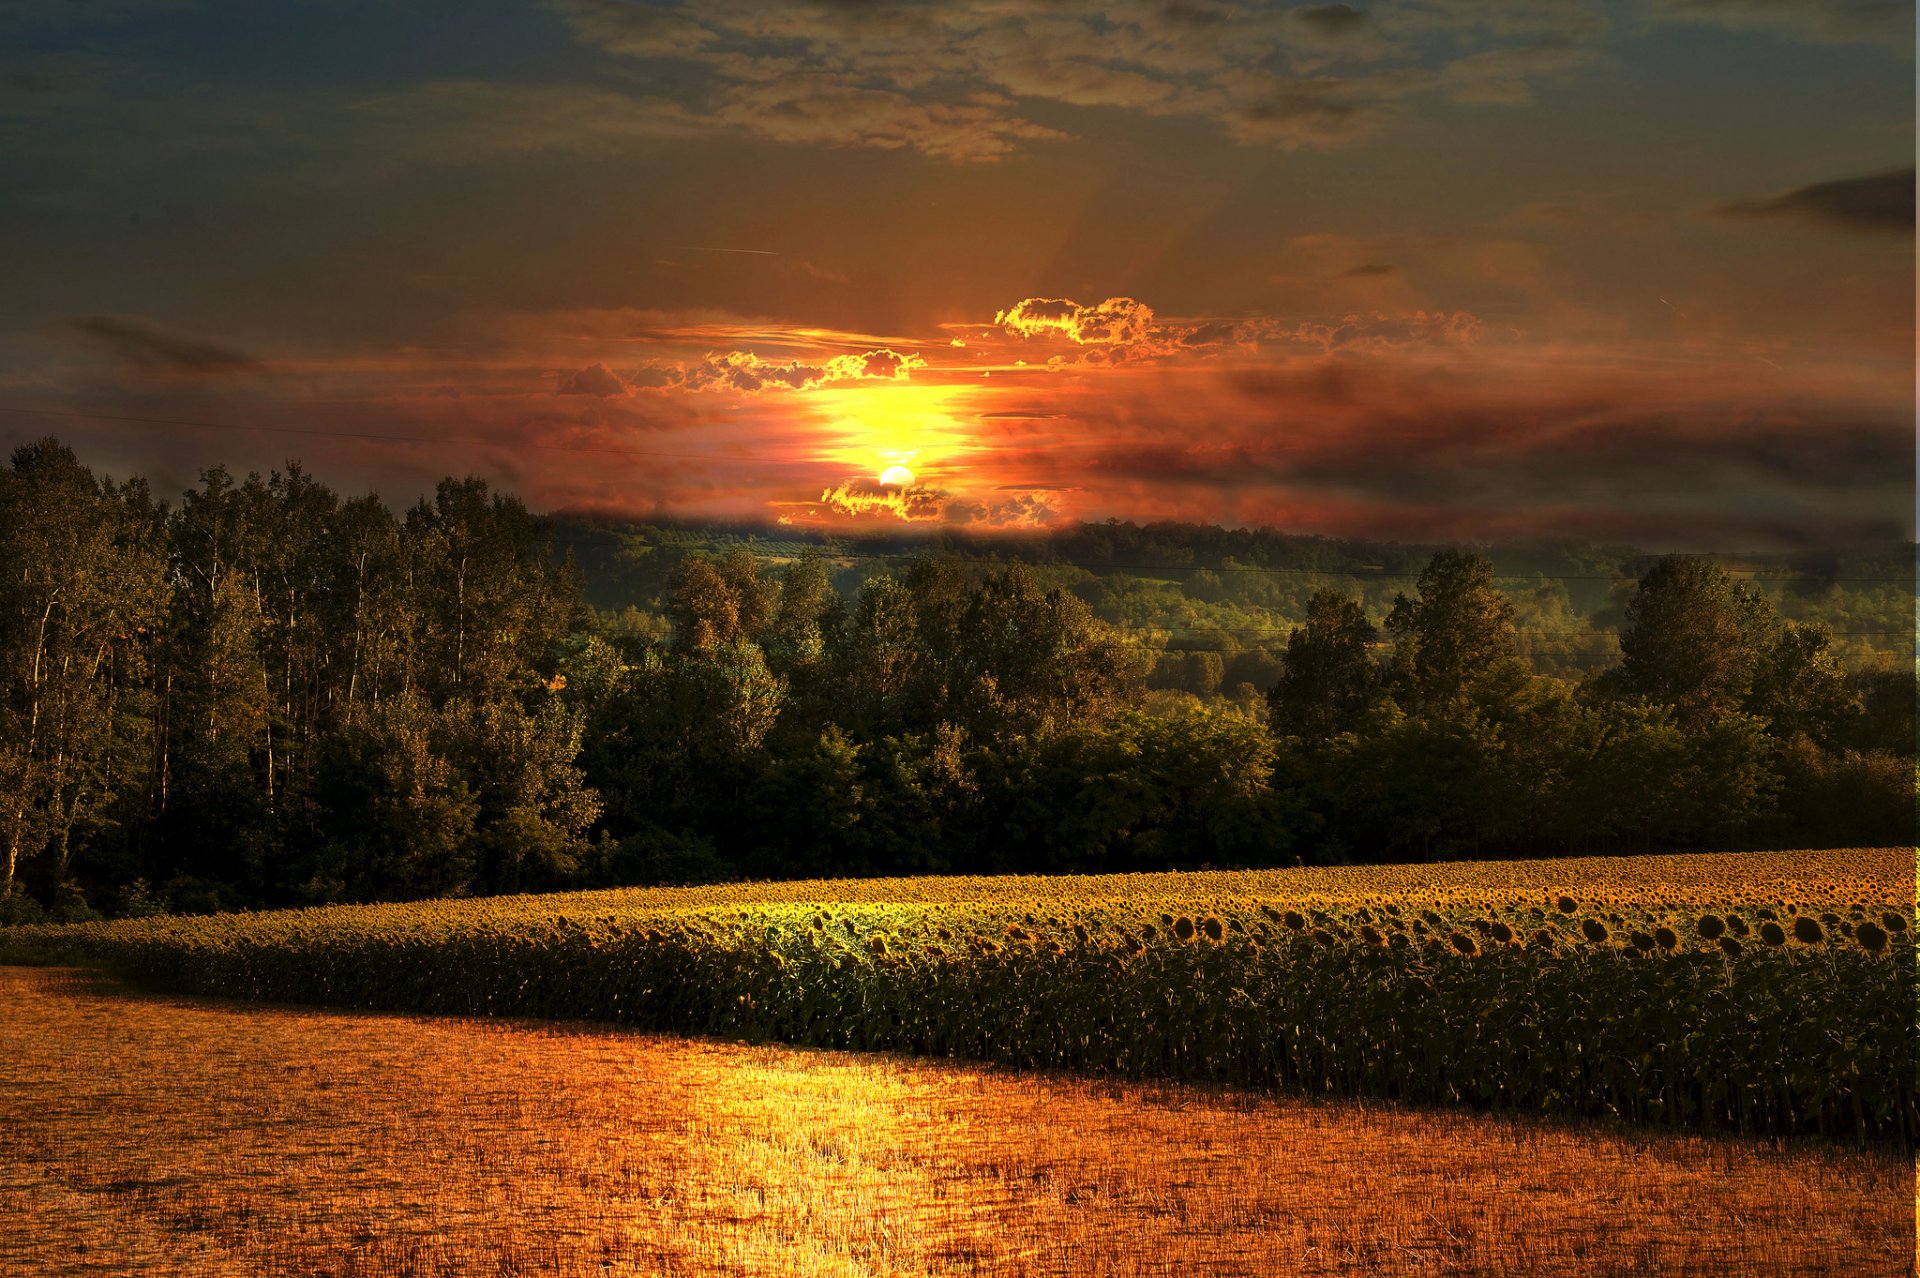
{"points": [[903, 433]]}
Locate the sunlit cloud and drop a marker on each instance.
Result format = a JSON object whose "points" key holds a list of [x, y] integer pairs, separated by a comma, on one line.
{"points": [[746, 371], [1118, 321]]}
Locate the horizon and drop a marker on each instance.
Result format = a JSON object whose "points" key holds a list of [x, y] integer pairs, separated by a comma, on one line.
{"points": [[930, 533]]}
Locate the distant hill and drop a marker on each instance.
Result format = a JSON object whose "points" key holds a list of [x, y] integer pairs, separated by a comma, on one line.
{"points": [[1201, 587]]}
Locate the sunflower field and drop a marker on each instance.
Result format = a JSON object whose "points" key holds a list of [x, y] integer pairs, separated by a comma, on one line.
{"points": [[1767, 993]]}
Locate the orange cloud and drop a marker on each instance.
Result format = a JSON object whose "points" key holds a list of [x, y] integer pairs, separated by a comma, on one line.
{"points": [[595, 379], [1118, 321], [746, 371], [856, 499], [922, 504]]}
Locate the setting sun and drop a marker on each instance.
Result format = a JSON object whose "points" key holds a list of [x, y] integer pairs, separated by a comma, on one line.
{"points": [[877, 430]]}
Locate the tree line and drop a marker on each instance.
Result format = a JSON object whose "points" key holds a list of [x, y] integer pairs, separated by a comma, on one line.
{"points": [[265, 694]]}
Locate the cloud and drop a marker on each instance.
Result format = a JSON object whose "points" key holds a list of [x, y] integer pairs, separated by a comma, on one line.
{"points": [[459, 121], [1653, 454], [1118, 321], [746, 371], [594, 379], [956, 81], [1366, 269], [1381, 331], [1303, 114], [1879, 202], [1820, 21], [1124, 330], [1018, 510], [921, 504], [1330, 20], [636, 30], [158, 353], [833, 110], [856, 499]]}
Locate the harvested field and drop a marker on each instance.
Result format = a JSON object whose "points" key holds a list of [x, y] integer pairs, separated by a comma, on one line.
{"points": [[166, 1136]]}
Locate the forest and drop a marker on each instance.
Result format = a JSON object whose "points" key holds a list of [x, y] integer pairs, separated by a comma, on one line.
{"points": [[265, 694]]}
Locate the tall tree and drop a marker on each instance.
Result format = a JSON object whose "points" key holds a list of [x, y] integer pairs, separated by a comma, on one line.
{"points": [[1329, 673], [1799, 686], [493, 603], [1695, 639], [81, 596], [1458, 627]]}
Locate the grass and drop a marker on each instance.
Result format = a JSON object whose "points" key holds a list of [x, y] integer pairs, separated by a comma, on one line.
{"points": [[161, 1136]]}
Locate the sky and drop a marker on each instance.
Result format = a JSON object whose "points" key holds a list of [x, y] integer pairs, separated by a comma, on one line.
{"points": [[1427, 270]]}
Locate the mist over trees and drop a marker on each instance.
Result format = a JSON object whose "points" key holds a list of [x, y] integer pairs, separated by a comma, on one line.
{"points": [[266, 694]]}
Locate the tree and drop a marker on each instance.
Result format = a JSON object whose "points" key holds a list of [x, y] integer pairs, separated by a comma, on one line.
{"points": [[1145, 792], [1799, 686], [1459, 626], [492, 603], [999, 659], [1328, 676], [1695, 639], [81, 596], [533, 804], [1036, 661], [397, 818], [807, 619]]}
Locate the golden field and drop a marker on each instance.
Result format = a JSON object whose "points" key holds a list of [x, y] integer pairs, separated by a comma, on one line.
{"points": [[165, 1136]]}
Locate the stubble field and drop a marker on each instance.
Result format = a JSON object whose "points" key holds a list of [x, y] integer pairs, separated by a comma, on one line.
{"points": [[164, 1136]]}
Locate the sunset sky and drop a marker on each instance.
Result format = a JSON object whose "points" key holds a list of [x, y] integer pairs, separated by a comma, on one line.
{"points": [[1437, 270]]}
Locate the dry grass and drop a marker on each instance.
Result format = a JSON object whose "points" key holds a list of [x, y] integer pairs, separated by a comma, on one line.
{"points": [[173, 1137]]}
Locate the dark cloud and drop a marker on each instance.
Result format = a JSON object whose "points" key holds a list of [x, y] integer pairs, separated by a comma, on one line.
{"points": [[1192, 17], [1214, 333], [943, 79], [886, 363], [1331, 19], [1879, 202], [1303, 114], [1799, 474], [1367, 269], [594, 379], [158, 353], [1821, 21]]}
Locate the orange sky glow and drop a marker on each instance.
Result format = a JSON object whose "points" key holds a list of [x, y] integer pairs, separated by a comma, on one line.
{"points": [[1638, 271]]}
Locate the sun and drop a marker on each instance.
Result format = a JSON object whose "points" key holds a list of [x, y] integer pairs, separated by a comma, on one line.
{"points": [[878, 430]]}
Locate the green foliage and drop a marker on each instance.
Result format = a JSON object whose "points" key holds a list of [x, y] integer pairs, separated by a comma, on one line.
{"points": [[271, 696], [81, 596], [1329, 676], [1695, 639], [1457, 627]]}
